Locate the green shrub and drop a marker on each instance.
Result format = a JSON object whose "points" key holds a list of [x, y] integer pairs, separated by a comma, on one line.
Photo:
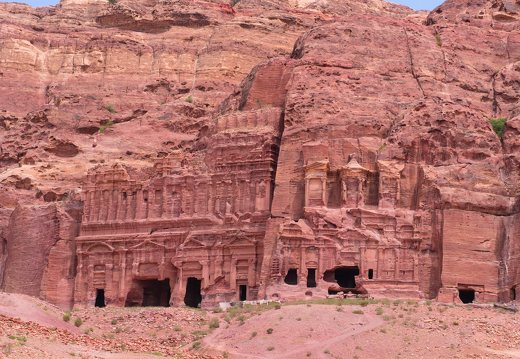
{"points": [[270, 349], [189, 99], [112, 2], [196, 345], [438, 40], [358, 311], [269, 331], [498, 125], [214, 323], [106, 125], [66, 316], [78, 322], [379, 311], [110, 108]]}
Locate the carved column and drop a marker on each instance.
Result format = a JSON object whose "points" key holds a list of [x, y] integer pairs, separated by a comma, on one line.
{"points": [[251, 278], [397, 255], [140, 205], [86, 211], [233, 275], [167, 202], [122, 276], [112, 205], [205, 273]]}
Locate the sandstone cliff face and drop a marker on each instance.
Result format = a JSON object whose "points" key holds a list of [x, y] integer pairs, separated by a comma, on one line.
{"points": [[369, 124]]}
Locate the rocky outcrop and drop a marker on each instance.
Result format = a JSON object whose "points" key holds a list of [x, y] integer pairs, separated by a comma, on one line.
{"points": [[337, 147], [31, 243]]}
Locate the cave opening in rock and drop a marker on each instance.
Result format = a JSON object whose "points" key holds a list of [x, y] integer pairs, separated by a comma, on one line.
{"points": [[370, 274], [156, 293], [311, 278], [100, 298], [512, 294], [242, 292], [345, 276], [291, 277], [149, 293], [467, 295], [193, 297]]}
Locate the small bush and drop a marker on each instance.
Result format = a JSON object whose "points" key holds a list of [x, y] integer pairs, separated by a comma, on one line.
{"points": [[358, 311], [455, 323], [196, 345], [438, 40], [114, 321], [379, 311], [110, 108], [66, 316], [277, 306], [78, 322], [108, 124], [189, 99], [214, 323], [112, 2], [269, 331], [270, 349], [253, 334], [498, 125]]}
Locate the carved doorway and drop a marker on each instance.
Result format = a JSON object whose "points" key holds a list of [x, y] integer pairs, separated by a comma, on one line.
{"points": [[100, 298], [193, 297], [242, 292]]}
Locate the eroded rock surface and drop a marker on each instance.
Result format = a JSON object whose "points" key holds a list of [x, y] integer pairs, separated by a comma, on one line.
{"points": [[270, 149]]}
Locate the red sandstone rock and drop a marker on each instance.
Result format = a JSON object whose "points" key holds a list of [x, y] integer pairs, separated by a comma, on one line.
{"points": [[344, 146]]}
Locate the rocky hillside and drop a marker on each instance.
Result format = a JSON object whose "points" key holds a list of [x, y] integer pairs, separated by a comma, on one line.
{"points": [[88, 83]]}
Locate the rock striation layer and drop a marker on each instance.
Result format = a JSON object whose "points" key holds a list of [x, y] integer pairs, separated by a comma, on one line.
{"points": [[272, 149]]}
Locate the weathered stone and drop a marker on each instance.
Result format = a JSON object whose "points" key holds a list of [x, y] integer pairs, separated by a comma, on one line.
{"points": [[360, 160]]}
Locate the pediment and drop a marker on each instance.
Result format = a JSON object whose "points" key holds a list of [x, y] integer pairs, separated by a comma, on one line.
{"points": [[241, 241], [193, 243], [100, 248], [148, 245]]}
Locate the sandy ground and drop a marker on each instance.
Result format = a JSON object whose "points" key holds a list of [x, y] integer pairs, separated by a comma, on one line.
{"points": [[388, 329], [346, 329]]}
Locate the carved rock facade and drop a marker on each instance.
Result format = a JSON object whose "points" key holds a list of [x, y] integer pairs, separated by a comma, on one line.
{"points": [[362, 162]]}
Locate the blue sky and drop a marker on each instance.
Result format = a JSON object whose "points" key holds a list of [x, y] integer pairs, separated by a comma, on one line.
{"points": [[415, 4]]}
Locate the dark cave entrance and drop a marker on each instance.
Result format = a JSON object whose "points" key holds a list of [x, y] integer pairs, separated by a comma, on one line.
{"points": [[242, 292], [344, 277], [311, 278], [291, 277], [467, 295], [149, 293], [156, 293], [193, 297], [100, 298], [370, 274], [512, 293]]}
